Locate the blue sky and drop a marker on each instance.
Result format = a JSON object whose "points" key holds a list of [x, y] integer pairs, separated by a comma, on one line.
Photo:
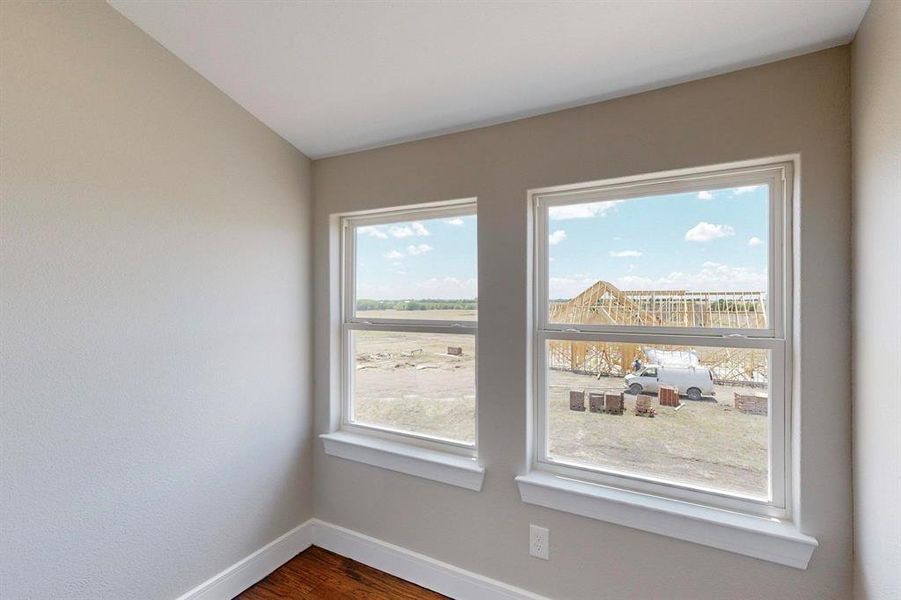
{"points": [[433, 258], [712, 240]]}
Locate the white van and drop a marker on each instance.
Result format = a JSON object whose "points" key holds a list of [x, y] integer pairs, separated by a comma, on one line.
{"points": [[693, 382]]}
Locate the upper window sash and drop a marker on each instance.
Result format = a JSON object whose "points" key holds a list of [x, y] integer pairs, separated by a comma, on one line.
{"points": [[776, 176], [349, 226]]}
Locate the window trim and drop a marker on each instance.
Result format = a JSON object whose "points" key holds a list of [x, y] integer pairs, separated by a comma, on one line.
{"points": [[385, 438], [426, 463], [779, 174], [773, 540]]}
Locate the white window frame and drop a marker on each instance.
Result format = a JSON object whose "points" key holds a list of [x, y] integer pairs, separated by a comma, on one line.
{"points": [[350, 322], [777, 338]]}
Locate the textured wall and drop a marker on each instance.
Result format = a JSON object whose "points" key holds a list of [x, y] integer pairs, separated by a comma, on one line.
{"points": [[155, 311], [876, 149], [799, 105]]}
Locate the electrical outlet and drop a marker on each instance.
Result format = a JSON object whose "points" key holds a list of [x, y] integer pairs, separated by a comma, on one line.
{"points": [[539, 542]]}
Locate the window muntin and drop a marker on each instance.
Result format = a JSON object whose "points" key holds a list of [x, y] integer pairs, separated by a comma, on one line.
{"points": [[409, 306], [605, 318]]}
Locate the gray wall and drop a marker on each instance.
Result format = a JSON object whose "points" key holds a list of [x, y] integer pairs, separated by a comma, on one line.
{"points": [[799, 105], [155, 279], [876, 145]]}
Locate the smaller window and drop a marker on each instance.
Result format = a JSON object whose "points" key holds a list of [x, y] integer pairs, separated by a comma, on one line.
{"points": [[410, 314]]}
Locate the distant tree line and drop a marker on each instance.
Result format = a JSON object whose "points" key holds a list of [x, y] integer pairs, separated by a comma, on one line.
{"points": [[424, 304]]}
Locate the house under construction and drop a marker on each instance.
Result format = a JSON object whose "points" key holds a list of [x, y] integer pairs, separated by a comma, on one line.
{"points": [[603, 303]]}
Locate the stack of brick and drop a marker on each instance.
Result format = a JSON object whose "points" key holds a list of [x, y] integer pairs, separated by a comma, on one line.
{"points": [[643, 406], [613, 403], [577, 400], [752, 404], [668, 395]]}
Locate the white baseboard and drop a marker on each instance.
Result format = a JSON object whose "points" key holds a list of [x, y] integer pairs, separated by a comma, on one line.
{"points": [[420, 569], [249, 570]]}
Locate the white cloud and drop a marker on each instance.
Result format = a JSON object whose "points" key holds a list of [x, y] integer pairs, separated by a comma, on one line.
{"points": [[373, 231], [400, 232], [755, 241], [446, 287], [569, 286], [714, 277], [582, 211], [556, 237], [403, 231], [436, 287], [745, 189], [704, 232], [456, 222], [625, 254], [418, 249], [705, 195], [394, 255]]}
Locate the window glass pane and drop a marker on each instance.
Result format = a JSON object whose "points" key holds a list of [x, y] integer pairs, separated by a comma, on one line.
{"points": [[421, 269], [421, 383], [694, 259], [712, 433]]}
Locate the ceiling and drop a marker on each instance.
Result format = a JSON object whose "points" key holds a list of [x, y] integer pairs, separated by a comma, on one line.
{"points": [[334, 77]]}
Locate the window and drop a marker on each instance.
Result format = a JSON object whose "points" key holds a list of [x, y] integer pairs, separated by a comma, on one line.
{"points": [[409, 323], [662, 333]]}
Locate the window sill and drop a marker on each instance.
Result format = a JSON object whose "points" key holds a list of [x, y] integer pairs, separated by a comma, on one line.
{"points": [[764, 538], [444, 467]]}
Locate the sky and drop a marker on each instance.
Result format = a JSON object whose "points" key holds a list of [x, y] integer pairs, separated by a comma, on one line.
{"points": [[712, 240], [432, 258]]}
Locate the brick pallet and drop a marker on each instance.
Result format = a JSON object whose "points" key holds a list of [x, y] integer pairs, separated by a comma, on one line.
{"points": [[751, 404], [643, 406], [668, 396], [577, 401], [613, 404]]}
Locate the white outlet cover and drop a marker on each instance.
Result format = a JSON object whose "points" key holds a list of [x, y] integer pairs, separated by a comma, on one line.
{"points": [[539, 542]]}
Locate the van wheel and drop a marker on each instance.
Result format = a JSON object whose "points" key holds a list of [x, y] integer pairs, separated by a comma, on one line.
{"points": [[635, 389], [694, 394]]}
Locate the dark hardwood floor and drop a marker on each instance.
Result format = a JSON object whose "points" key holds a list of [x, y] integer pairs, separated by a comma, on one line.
{"points": [[317, 574]]}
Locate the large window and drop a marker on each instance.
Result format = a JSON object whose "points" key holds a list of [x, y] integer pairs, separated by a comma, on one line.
{"points": [[409, 321], [662, 328]]}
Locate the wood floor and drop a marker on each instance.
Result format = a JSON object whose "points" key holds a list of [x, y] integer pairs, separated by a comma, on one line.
{"points": [[317, 574]]}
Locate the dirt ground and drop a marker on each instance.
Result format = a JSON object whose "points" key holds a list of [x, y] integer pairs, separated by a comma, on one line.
{"points": [[706, 443], [409, 382]]}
